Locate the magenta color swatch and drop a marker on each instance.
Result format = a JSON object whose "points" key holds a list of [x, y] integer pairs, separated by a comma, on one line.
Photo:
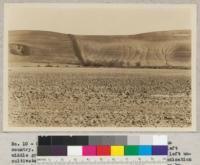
{"points": [[89, 151]]}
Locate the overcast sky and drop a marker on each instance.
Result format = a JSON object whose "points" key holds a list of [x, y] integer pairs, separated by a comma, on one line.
{"points": [[98, 19]]}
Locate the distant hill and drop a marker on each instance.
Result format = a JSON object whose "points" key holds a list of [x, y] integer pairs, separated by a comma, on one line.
{"points": [[164, 48], [42, 47]]}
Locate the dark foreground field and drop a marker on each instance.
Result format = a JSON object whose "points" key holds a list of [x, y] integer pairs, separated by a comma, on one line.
{"points": [[99, 97]]}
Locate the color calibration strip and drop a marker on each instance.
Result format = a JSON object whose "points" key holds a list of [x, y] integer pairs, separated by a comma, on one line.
{"points": [[147, 145]]}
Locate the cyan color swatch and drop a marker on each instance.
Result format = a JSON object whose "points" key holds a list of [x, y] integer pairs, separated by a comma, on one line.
{"points": [[145, 150]]}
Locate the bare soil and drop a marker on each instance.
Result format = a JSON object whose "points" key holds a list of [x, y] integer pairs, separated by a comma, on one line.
{"points": [[99, 97]]}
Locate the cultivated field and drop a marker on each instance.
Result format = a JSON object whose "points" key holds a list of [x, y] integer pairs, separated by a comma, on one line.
{"points": [[154, 49], [83, 97]]}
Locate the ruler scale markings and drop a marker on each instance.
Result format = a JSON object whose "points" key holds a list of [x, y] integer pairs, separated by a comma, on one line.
{"points": [[105, 160]]}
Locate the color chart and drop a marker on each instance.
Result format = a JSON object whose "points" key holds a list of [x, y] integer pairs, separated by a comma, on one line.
{"points": [[100, 148]]}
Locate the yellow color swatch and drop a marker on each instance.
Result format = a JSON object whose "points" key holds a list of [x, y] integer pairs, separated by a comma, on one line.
{"points": [[117, 150]]}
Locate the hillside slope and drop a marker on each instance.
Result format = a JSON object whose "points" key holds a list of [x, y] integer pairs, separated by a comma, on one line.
{"points": [[41, 47], [165, 48]]}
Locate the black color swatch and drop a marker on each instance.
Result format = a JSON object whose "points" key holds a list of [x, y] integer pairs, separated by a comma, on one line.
{"points": [[44, 140]]}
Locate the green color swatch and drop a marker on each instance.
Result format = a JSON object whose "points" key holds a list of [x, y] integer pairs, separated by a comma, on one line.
{"points": [[131, 150]]}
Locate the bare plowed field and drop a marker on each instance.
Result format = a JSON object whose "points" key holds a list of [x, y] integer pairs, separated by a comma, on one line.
{"points": [[99, 97]]}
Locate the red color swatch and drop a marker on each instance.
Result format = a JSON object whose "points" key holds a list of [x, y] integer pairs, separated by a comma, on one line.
{"points": [[103, 150]]}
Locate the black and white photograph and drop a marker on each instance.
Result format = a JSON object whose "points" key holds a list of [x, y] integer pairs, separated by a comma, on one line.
{"points": [[99, 66]]}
